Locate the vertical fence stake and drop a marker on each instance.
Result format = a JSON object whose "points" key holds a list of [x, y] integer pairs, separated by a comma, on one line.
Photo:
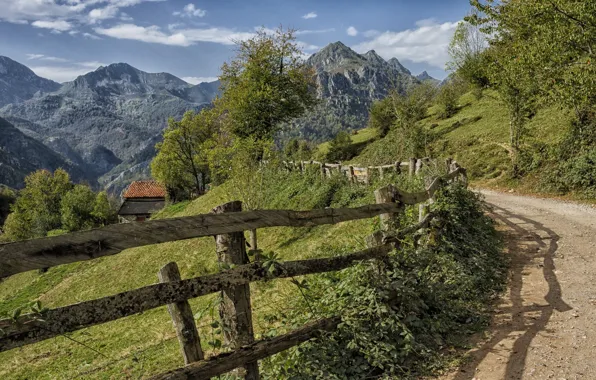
{"points": [[380, 172], [412, 167], [419, 164], [322, 167], [351, 175], [235, 310], [397, 167], [368, 174], [183, 319]]}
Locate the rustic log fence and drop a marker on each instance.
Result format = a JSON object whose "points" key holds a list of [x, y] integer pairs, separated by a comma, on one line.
{"points": [[358, 173], [227, 224]]}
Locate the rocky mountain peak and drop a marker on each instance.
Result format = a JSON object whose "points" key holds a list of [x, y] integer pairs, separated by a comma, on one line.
{"points": [[425, 77], [374, 58], [396, 64]]}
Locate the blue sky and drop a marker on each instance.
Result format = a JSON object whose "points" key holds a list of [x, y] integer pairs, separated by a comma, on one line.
{"points": [[61, 39]]}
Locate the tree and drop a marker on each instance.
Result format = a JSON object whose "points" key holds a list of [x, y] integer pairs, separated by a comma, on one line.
{"points": [[340, 148], [409, 109], [448, 96], [76, 208], [382, 116], [553, 40], [465, 52], [104, 211], [268, 83], [7, 198], [297, 150], [181, 163], [37, 209]]}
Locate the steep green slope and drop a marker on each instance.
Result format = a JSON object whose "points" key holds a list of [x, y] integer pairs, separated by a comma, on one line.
{"points": [[476, 137]]}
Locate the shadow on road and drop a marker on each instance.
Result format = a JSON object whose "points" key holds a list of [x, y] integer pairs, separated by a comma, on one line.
{"points": [[528, 241]]}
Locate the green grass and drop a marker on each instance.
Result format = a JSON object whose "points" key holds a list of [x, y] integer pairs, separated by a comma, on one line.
{"points": [[477, 143], [361, 136], [143, 345]]}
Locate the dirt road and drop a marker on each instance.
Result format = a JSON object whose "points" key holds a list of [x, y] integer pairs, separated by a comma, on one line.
{"points": [[545, 325]]}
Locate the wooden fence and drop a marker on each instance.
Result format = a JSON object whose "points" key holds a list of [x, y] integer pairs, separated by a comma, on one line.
{"points": [[359, 173], [227, 223]]}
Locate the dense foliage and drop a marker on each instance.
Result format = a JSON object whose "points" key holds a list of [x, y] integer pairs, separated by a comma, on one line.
{"points": [[398, 316], [50, 201]]}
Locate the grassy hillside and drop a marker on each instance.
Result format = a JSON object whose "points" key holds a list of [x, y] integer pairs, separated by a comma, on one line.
{"points": [[146, 344], [475, 137]]}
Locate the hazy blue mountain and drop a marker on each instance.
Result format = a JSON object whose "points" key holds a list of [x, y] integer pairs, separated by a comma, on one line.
{"points": [[104, 117]]}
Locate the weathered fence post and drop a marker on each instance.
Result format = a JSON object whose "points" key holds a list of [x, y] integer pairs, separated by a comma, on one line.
{"points": [[412, 167], [183, 319], [235, 310], [351, 175], [322, 167], [380, 172], [388, 221], [419, 164], [368, 173]]}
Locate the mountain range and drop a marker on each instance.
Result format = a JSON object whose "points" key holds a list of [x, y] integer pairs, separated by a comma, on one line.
{"points": [[103, 126]]}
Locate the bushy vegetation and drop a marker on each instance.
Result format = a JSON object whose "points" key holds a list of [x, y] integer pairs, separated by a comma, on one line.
{"points": [[398, 317], [50, 202]]}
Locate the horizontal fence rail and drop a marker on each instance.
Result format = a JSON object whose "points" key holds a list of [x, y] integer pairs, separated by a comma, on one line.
{"points": [[223, 363], [27, 255], [89, 313]]}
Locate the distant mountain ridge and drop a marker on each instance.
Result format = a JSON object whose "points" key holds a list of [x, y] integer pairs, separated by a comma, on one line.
{"points": [[106, 116]]}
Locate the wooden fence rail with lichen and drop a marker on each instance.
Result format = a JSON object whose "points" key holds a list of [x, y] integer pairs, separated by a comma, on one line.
{"points": [[226, 223]]}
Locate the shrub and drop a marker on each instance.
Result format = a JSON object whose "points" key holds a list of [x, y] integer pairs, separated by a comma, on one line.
{"points": [[397, 315]]}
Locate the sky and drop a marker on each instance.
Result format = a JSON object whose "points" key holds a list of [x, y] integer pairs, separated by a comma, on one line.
{"points": [[62, 39]]}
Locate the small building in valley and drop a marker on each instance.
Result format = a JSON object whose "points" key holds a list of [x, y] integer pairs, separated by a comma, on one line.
{"points": [[141, 200]]}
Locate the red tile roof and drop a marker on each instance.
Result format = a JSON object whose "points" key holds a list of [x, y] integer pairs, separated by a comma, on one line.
{"points": [[145, 189]]}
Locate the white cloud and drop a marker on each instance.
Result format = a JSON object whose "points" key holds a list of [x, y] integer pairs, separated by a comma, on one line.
{"points": [[176, 37], [352, 31], [306, 46], [125, 17], [99, 14], [58, 25], [91, 36], [46, 58], [427, 43], [90, 64], [197, 80], [71, 11], [191, 11], [310, 15]]}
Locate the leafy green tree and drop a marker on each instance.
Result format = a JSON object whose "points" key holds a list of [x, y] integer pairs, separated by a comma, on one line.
{"points": [[554, 41], [7, 198], [104, 211], [448, 97], [266, 84], [382, 116], [76, 208], [37, 209], [181, 163], [340, 148], [297, 150], [465, 52]]}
